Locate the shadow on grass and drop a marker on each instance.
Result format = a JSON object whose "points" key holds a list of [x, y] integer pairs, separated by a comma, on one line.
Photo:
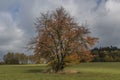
{"points": [[35, 71], [49, 71]]}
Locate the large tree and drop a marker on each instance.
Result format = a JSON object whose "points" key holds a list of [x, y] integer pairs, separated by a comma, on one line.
{"points": [[60, 36]]}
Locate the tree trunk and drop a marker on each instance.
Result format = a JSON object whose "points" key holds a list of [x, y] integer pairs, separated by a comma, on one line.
{"points": [[57, 67]]}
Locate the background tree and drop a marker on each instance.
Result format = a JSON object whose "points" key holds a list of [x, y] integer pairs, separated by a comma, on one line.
{"points": [[106, 54], [60, 36], [31, 59], [23, 58], [10, 58], [16, 58]]}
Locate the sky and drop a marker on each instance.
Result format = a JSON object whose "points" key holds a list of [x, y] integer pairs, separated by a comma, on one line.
{"points": [[17, 18]]}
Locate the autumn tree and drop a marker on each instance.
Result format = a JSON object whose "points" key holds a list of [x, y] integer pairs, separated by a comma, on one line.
{"points": [[60, 36]]}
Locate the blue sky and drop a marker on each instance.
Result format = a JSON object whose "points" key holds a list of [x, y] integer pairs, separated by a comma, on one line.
{"points": [[17, 19]]}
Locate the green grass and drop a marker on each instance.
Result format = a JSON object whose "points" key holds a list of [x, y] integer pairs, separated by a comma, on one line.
{"points": [[87, 71]]}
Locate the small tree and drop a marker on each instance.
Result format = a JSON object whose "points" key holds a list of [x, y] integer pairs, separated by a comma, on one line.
{"points": [[59, 36]]}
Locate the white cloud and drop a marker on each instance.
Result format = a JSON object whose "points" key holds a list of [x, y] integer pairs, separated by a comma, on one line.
{"points": [[107, 24], [113, 6], [10, 35]]}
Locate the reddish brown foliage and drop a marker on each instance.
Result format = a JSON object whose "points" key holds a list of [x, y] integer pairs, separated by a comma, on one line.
{"points": [[59, 37]]}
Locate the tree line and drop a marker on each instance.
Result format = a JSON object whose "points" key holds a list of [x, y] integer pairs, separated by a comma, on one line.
{"points": [[106, 54], [17, 58], [102, 54]]}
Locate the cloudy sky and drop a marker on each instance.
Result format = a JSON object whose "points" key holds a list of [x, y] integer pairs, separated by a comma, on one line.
{"points": [[17, 19]]}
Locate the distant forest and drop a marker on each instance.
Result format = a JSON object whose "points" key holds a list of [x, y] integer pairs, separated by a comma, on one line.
{"points": [[102, 54], [17, 58], [106, 54]]}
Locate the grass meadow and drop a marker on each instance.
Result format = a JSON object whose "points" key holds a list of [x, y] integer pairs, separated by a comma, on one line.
{"points": [[87, 71]]}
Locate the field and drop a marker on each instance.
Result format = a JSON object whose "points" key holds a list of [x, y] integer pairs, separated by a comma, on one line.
{"points": [[87, 71]]}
